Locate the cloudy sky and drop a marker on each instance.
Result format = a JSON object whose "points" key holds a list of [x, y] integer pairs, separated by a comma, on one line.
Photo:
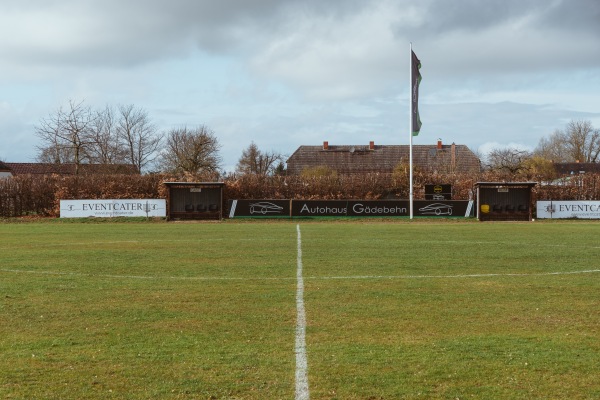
{"points": [[283, 73]]}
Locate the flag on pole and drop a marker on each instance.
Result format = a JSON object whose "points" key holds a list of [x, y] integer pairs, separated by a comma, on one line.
{"points": [[415, 81]]}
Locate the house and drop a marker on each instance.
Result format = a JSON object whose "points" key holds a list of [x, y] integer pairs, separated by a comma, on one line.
{"points": [[371, 158], [13, 169], [576, 168], [4, 170]]}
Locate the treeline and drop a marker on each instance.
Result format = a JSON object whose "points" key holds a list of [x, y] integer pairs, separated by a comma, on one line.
{"points": [[578, 142], [125, 135], [41, 195]]}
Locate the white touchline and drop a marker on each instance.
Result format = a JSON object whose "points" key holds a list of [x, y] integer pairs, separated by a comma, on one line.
{"points": [[302, 392], [267, 278]]}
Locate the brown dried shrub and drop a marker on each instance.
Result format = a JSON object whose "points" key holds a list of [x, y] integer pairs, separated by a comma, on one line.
{"points": [[41, 195]]}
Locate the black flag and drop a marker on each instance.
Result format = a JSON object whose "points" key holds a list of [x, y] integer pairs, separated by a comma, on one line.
{"points": [[415, 81]]}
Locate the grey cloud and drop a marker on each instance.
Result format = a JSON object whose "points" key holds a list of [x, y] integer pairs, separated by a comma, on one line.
{"points": [[578, 15], [468, 33], [473, 16], [114, 32]]}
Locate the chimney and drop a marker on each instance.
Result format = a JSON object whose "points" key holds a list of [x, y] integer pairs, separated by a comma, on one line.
{"points": [[439, 144], [325, 145], [371, 145]]}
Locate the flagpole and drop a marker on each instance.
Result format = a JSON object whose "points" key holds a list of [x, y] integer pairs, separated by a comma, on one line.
{"points": [[410, 125]]}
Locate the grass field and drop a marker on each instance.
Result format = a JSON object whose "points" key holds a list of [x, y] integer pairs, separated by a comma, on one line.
{"points": [[394, 310]]}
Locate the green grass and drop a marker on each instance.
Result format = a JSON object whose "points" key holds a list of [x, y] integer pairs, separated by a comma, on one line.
{"points": [[395, 309]]}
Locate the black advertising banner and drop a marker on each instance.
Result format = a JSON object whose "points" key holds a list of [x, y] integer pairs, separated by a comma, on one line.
{"points": [[259, 208], [347, 208], [451, 208], [378, 208]]}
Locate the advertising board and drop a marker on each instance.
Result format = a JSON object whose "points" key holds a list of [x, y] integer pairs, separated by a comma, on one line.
{"points": [[346, 208], [568, 209], [454, 208], [259, 208], [110, 208]]}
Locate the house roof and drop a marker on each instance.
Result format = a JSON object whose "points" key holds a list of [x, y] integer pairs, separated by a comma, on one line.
{"points": [[69, 169], [348, 159], [576, 168]]}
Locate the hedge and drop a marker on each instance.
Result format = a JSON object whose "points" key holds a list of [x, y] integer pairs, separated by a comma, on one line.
{"points": [[40, 195]]}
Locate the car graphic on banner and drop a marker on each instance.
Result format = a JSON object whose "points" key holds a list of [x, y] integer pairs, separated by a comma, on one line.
{"points": [[436, 209], [265, 207], [259, 208]]}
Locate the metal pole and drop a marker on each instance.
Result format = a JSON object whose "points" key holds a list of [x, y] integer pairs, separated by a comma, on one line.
{"points": [[410, 125]]}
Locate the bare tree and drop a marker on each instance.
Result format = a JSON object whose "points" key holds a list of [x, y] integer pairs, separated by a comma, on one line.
{"points": [[107, 147], [191, 150], [54, 149], [54, 153], [583, 141], [66, 134], [509, 160], [254, 161], [552, 148], [140, 137], [578, 142]]}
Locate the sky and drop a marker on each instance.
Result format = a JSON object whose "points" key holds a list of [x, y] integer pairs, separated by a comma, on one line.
{"points": [[285, 73]]}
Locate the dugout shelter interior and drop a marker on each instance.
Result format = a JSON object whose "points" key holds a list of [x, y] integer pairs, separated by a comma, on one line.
{"points": [[504, 201], [194, 200]]}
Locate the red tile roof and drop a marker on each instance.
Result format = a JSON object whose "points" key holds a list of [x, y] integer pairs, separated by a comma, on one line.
{"points": [[69, 169], [347, 159], [576, 168]]}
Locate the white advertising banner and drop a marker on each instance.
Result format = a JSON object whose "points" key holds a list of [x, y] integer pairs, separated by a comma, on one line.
{"points": [[568, 209], [113, 208]]}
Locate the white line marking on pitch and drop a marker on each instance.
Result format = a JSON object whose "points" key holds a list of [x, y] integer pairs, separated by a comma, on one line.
{"points": [[302, 392], [590, 271], [267, 278]]}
